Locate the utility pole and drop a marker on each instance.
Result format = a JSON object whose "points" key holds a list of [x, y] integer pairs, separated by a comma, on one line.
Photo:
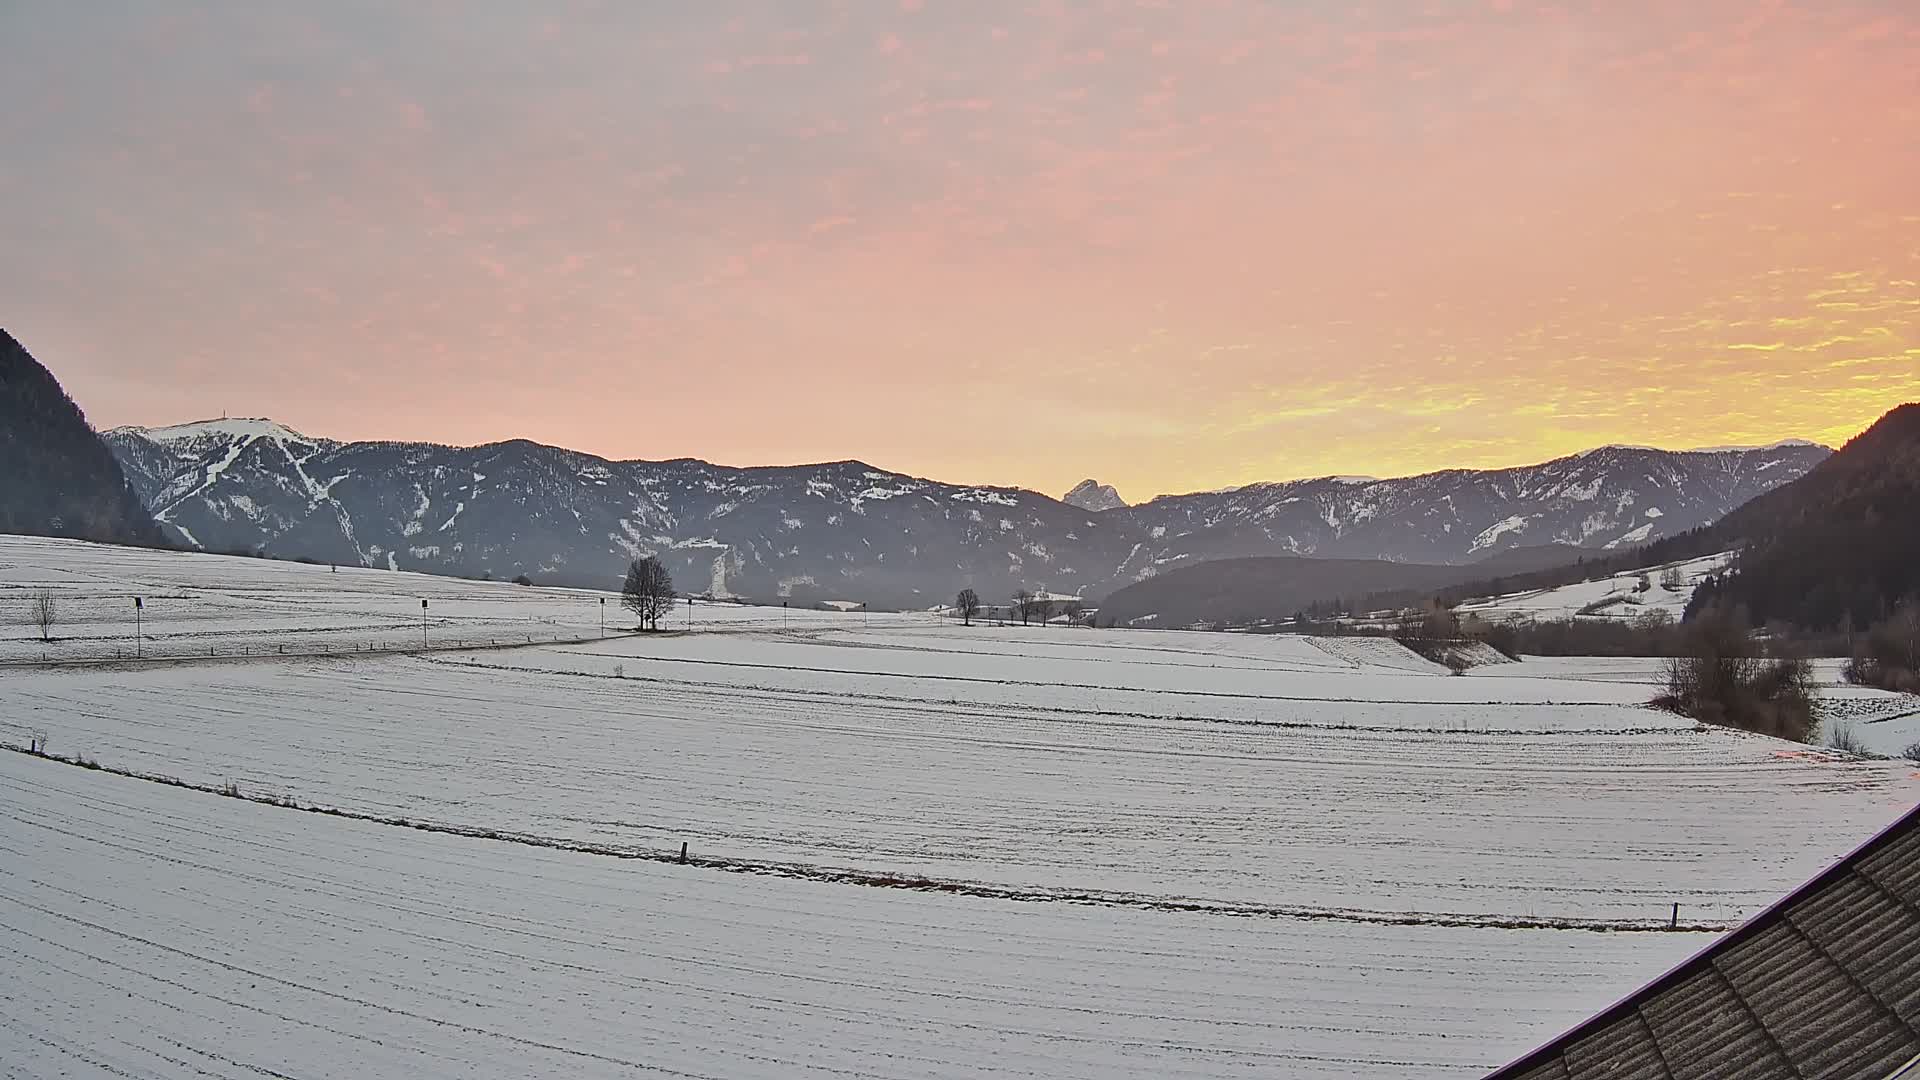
{"points": [[783, 615], [137, 605], [603, 616], [423, 623]]}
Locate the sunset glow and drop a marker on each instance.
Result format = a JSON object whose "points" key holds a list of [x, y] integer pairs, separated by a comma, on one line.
{"points": [[1169, 245]]}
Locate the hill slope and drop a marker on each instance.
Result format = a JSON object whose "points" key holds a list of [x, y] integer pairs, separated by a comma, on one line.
{"points": [[1241, 591], [61, 479], [1840, 542]]}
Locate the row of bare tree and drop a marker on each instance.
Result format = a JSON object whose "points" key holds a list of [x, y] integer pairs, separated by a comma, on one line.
{"points": [[1027, 606]]}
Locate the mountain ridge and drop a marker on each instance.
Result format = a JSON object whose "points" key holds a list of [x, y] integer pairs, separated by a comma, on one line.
{"points": [[1090, 494], [849, 530], [1343, 478]]}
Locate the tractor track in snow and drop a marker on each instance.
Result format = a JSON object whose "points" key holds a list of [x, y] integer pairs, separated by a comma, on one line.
{"points": [[889, 880]]}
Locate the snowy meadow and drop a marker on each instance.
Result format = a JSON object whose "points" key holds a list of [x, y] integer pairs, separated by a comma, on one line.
{"points": [[912, 848]]}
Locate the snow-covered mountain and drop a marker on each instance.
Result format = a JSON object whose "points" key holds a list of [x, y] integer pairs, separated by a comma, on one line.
{"points": [[1612, 497], [848, 531], [1094, 496], [842, 530]]}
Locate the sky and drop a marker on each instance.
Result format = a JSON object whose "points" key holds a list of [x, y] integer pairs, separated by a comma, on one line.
{"points": [[1170, 244]]}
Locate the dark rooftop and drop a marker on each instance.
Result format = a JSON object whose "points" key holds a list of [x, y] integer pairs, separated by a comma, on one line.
{"points": [[1825, 984]]}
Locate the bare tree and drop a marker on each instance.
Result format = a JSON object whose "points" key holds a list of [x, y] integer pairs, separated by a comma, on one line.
{"points": [[1673, 580], [1023, 603], [968, 605], [648, 592], [42, 614]]}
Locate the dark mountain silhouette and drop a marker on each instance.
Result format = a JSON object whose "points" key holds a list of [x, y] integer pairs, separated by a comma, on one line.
{"points": [[61, 480], [1243, 591], [1840, 543]]}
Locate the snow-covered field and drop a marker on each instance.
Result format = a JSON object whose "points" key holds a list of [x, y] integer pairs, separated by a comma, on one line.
{"points": [[155, 932], [201, 605], [1144, 853], [1617, 597], [1881, 722]]}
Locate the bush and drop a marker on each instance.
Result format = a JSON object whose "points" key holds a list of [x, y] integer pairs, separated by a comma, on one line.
{"points": [[522, 579], [1842, 738], [1911, 753], [1889, 657], [1721, 678], [1865, 670]]}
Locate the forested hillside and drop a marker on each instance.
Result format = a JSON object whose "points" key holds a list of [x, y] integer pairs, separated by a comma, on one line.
{"points": [[1838, 547], [60, 480]]}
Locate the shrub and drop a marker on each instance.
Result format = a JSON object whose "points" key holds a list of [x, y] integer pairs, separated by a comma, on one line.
{"points": [[1841, 737], [1889, 656], [1721, 678], [1912, 752], [522, 579]]}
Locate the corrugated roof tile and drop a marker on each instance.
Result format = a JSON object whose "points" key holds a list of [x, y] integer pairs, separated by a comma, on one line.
{"points": [[1824, 985]]}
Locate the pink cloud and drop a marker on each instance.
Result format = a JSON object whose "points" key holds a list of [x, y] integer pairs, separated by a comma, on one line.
{"points": [[1368, 197]]}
